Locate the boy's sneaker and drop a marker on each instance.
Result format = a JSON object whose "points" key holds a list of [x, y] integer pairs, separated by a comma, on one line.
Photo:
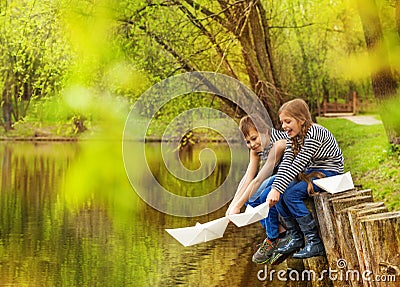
{"points": [[265, 251], [277, 257]]}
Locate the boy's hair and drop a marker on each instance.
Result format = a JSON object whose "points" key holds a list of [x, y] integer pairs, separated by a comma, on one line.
{"points": [[255, 122]]}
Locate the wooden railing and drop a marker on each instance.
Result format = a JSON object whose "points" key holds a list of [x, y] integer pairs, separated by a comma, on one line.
{"points": [[336, 107], [354, 106]]}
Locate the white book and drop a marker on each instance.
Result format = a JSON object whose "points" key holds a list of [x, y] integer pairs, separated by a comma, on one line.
{"points": [[335, 184]]}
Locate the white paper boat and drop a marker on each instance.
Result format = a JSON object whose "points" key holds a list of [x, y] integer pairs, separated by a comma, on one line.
{"points": [[336, 183], [250, 215], [199, 233]]}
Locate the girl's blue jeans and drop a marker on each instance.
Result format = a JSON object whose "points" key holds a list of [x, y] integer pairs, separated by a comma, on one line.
{"points": [[291, 202]]}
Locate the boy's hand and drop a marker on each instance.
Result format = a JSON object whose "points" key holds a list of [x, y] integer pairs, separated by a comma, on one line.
{"points": [[233, 210], [273, 197]]}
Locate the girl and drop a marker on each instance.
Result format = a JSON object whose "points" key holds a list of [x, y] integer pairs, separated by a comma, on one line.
{"points": [[266, 148], [311, 152]]}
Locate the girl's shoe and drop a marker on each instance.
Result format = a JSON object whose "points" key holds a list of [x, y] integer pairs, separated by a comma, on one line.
{"points": [[314, 246]]}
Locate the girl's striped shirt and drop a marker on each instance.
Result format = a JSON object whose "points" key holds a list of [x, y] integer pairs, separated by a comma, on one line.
{"points": [[320, 151]]}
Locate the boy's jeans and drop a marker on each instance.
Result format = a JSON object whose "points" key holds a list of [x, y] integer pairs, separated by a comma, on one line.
{"points": [[271, 222]]}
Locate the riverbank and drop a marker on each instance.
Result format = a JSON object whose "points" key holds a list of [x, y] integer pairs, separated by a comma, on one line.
{"points": [[27, 131]]}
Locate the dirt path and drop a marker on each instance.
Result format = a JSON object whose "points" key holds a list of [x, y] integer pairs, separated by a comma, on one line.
{"points": [[363, 120]]}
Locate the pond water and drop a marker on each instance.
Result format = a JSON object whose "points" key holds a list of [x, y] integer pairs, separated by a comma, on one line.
{"points": [[69, 217]]}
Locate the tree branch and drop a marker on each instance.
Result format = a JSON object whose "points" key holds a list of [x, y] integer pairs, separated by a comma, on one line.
{"points": [[207, 12], [197, 23], [185, 64], [292, 27]]}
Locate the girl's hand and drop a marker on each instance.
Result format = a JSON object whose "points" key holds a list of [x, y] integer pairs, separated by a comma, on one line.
{"points": [[273, 197]]}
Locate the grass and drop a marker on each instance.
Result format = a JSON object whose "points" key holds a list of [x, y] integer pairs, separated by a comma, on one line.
{"points": [[372, 161]]}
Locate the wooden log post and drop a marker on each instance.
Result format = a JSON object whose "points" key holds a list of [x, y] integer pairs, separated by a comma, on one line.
{"points": [[352, 193], [346, 239], [315, 267], [327, 206], [324, 205], [354, 214], [327, 229], [382, 235], [343, 234], [326, 224], [361, 238]]}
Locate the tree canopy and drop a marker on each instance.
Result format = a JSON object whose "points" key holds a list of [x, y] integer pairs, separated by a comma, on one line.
{"points": [[33, 54], [281, 49]]}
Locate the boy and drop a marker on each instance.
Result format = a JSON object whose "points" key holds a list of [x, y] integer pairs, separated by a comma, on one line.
{"points": [[266, 148]]}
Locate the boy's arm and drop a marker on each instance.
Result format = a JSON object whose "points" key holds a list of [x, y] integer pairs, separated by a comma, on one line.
{"points": [[247, 178], [274, 156]]}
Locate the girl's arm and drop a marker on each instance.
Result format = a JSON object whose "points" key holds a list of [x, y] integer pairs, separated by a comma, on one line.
{"points": [[274, 156], [290, 168]]}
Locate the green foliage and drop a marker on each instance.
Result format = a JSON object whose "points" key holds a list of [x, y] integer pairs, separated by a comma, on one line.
{"points": [[372, 161], [95, 51], [312, 44], [33, 55], [165, 116], [49, 117], [166, 39], [391, 114]]}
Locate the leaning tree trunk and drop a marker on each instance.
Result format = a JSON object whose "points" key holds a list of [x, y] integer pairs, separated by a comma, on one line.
{"points": [[245, 21], [252, 31], [383, 83]]}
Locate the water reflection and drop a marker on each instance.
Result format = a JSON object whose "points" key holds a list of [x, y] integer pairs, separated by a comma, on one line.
{"points": [[107, 238]]}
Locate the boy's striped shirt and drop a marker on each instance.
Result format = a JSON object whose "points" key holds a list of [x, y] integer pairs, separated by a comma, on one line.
{"points": [[276, 135]]}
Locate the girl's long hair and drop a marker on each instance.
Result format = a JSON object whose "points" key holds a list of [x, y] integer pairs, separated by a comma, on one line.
{"points": [[298, 109]]}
